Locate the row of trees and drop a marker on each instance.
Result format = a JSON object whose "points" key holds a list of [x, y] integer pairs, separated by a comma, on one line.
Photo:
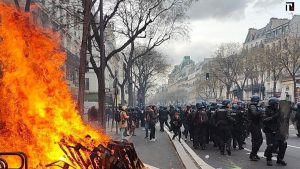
{"points": [[139, 27], [233, 66]]}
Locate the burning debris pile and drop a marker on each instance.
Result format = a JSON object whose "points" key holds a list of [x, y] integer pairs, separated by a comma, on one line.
{"points": [[37, 113]]}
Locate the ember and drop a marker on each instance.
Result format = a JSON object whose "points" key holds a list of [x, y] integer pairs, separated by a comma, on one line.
{"points": [[37, 113]]}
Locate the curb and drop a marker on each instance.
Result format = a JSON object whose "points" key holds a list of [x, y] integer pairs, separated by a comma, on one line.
{"points": [[187, 155], [184, 156]]}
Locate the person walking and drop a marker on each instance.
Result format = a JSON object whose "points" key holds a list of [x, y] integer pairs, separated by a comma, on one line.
{"points": [[147, 121], [223, 123], [176, 125], [123, 121], [273, 136], [163, 118], [152, 122], [297, 119], [255, 116], [185, 121], [200, 123]]}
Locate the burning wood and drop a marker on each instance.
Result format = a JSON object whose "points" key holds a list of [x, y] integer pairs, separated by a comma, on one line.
{"points": [[117, 155]]}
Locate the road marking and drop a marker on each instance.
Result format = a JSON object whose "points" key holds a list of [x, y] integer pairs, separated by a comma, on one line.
{"points": [[150, 167], [196, 158]]}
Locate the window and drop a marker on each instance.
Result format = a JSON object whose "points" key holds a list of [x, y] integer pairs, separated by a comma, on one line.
{"points": [[87, 84]]}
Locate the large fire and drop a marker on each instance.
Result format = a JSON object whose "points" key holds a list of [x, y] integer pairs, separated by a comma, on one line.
{"points": [[36, 107]]}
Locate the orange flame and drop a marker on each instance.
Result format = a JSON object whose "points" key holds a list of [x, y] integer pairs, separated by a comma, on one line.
{"points": [[36, 107]]}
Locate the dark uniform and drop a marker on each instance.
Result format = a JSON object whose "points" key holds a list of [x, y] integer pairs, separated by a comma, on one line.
{"points": [[244, 127], [185, 121], [189, 120], [200, 122], [163, 118], [223, 124], [271, 129], [212, 130], [237, 130], [297, 119], [255, 125]]}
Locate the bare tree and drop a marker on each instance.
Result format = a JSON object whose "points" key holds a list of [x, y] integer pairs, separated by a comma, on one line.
{"points": [[274, 67], [147, 69], [169, 25], [290, 59], [221, 67]]}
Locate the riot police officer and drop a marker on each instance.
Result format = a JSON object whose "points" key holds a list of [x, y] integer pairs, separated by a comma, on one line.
{"points": [[212, 131], [271, 128], [297, 119], [200, 122], [255, 125], [223, 124], [243, 115], [237, 131]]}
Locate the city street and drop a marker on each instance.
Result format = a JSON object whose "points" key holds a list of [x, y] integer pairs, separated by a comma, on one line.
{"points": [[240, 158]]}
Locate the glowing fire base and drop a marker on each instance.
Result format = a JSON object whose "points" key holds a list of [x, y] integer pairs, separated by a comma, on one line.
{"points": [[117, 155]]}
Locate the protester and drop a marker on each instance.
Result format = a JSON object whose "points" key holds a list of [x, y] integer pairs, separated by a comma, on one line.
{"points": [[123, 121], [176, 125]]}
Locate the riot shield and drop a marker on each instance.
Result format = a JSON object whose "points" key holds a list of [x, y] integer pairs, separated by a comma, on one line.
{"points": [[284, 118]]}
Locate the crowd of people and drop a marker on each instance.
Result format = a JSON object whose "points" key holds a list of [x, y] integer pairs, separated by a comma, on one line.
{"points": [[224, 124]]}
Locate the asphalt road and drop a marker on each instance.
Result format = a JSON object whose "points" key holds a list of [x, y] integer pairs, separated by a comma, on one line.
{"points": [[159, 154], [240, 158]]}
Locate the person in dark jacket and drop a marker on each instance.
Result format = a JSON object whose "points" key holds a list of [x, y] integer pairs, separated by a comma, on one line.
{"points": [[297, 119], [223, 124], [255, 115], [185, 121], [163, 118], [272, 130], [237, 130], [200, 122], [176, 124]]}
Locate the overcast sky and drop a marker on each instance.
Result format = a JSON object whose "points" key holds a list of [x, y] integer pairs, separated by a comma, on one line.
{"points": [[213, 22]]}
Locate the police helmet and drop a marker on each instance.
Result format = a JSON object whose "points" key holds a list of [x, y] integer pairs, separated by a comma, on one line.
{"points": [[273, 102], [199, 105], [255, 99], [226, 102], [298, 105], [235, 106]]}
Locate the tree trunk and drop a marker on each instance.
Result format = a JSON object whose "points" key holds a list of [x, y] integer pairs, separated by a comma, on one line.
{"points": [[27, 5], [83, 49], [295, 89], [122, 94], [240, 93], [274, 87], [17, 3], [130, 92], [101, 98], [101, 79], [227, 91]]}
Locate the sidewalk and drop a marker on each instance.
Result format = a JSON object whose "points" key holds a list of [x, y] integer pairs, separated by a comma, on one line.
{"points": [[159, 154]]}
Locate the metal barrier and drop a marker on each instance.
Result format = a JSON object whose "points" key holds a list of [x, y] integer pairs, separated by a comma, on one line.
{"points": [[5, 165]]}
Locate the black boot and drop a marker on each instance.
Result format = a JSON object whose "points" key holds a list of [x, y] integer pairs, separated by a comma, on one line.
{"points": [[229, 152], [257, 157], [253, 158], [281, 162], [269, 163]]}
